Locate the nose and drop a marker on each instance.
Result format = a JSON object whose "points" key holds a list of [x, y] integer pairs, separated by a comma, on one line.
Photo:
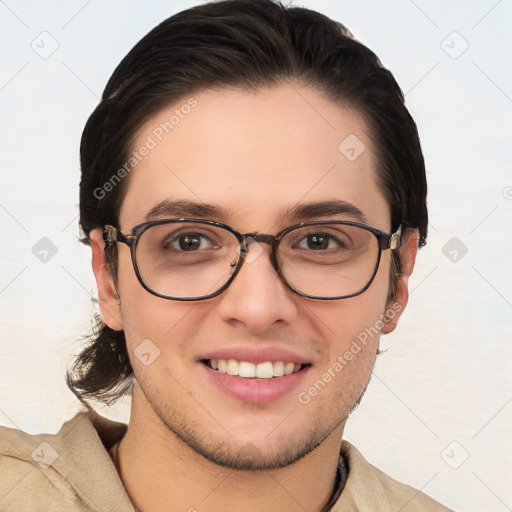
{"points": [[257, 298]]}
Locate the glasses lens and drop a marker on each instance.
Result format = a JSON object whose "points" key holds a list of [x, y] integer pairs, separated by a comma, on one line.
{"points": [[328, 260], [186, 260]]}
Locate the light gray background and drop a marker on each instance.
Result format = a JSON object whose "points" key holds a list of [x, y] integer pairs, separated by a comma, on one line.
{"points": [[442, 392]]}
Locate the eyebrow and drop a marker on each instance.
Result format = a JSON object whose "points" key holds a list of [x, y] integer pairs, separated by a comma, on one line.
{"points": [[299, 213], [311, 211], [168, 208]]}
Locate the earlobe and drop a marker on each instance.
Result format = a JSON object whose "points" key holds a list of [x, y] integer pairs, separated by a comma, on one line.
{"points": [[107, 293], [396, 306]]}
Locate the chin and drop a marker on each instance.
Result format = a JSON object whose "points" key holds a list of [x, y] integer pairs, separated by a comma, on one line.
{"points": [[250, 457]]}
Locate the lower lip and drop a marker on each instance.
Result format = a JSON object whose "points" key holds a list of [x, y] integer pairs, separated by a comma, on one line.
{"points": [[256, 391]]}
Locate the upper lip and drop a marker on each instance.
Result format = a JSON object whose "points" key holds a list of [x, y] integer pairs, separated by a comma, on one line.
{"points": [[257, 355]]}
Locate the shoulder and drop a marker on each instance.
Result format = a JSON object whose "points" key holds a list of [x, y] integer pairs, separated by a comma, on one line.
{"points": [[368, 488], [49, 472]]}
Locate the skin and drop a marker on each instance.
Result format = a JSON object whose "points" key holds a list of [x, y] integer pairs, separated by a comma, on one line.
{"points": [[254, 154]]}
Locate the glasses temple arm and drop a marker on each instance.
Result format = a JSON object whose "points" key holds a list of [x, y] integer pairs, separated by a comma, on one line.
{"points": [[395, 239]]}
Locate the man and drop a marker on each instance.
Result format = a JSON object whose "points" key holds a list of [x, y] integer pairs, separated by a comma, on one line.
{"points": [[253, 192]]}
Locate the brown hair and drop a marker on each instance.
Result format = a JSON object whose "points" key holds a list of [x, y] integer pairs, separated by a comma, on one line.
{"points": [[246, 44]]}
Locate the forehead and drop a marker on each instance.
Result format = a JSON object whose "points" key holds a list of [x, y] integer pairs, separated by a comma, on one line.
{"points": [[254, 154]]}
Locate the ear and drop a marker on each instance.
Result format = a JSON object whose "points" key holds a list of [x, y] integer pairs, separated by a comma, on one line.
{"points": [[396, 306], [107, 293]]}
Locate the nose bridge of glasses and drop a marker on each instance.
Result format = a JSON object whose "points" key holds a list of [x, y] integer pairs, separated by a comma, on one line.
{"points": [[255, 238], [261, 238]]}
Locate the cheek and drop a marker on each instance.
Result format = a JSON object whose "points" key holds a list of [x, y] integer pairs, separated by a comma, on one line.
{"points": [[345, 322], [353, 324], [380, 287], [167, 325], [349, 332], [144, 314], [161, 338]]}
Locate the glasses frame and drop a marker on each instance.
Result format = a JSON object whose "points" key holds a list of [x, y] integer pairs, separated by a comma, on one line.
{"points": [[385, 241]]}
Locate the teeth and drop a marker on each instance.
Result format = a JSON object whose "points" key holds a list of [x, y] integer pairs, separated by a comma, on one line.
{"points": [[265, 370], [288, 368], [245, 369], [278, 369], [232, 367]]}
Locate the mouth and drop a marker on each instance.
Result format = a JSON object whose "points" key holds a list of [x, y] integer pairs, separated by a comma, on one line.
{"points": [[267, 370], [256, 375]]}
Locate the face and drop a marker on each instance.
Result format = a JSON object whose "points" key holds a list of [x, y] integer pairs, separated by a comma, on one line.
{"points": [[255, 157]]}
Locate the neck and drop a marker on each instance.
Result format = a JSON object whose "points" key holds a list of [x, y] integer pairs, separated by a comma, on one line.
{"points": [[161, 472]]}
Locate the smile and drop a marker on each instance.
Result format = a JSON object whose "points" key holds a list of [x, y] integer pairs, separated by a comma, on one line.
{"points": [[247, 370]]}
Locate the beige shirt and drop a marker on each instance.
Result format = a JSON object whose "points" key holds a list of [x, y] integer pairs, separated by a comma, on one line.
{"points": [[73, 471]]}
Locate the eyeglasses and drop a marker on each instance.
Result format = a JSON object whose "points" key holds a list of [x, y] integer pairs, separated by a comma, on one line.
{"points": [[196, 259]]}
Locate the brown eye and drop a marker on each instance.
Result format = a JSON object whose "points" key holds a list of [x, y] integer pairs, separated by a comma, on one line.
{"points": [[319, 242], [188, 242]]}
